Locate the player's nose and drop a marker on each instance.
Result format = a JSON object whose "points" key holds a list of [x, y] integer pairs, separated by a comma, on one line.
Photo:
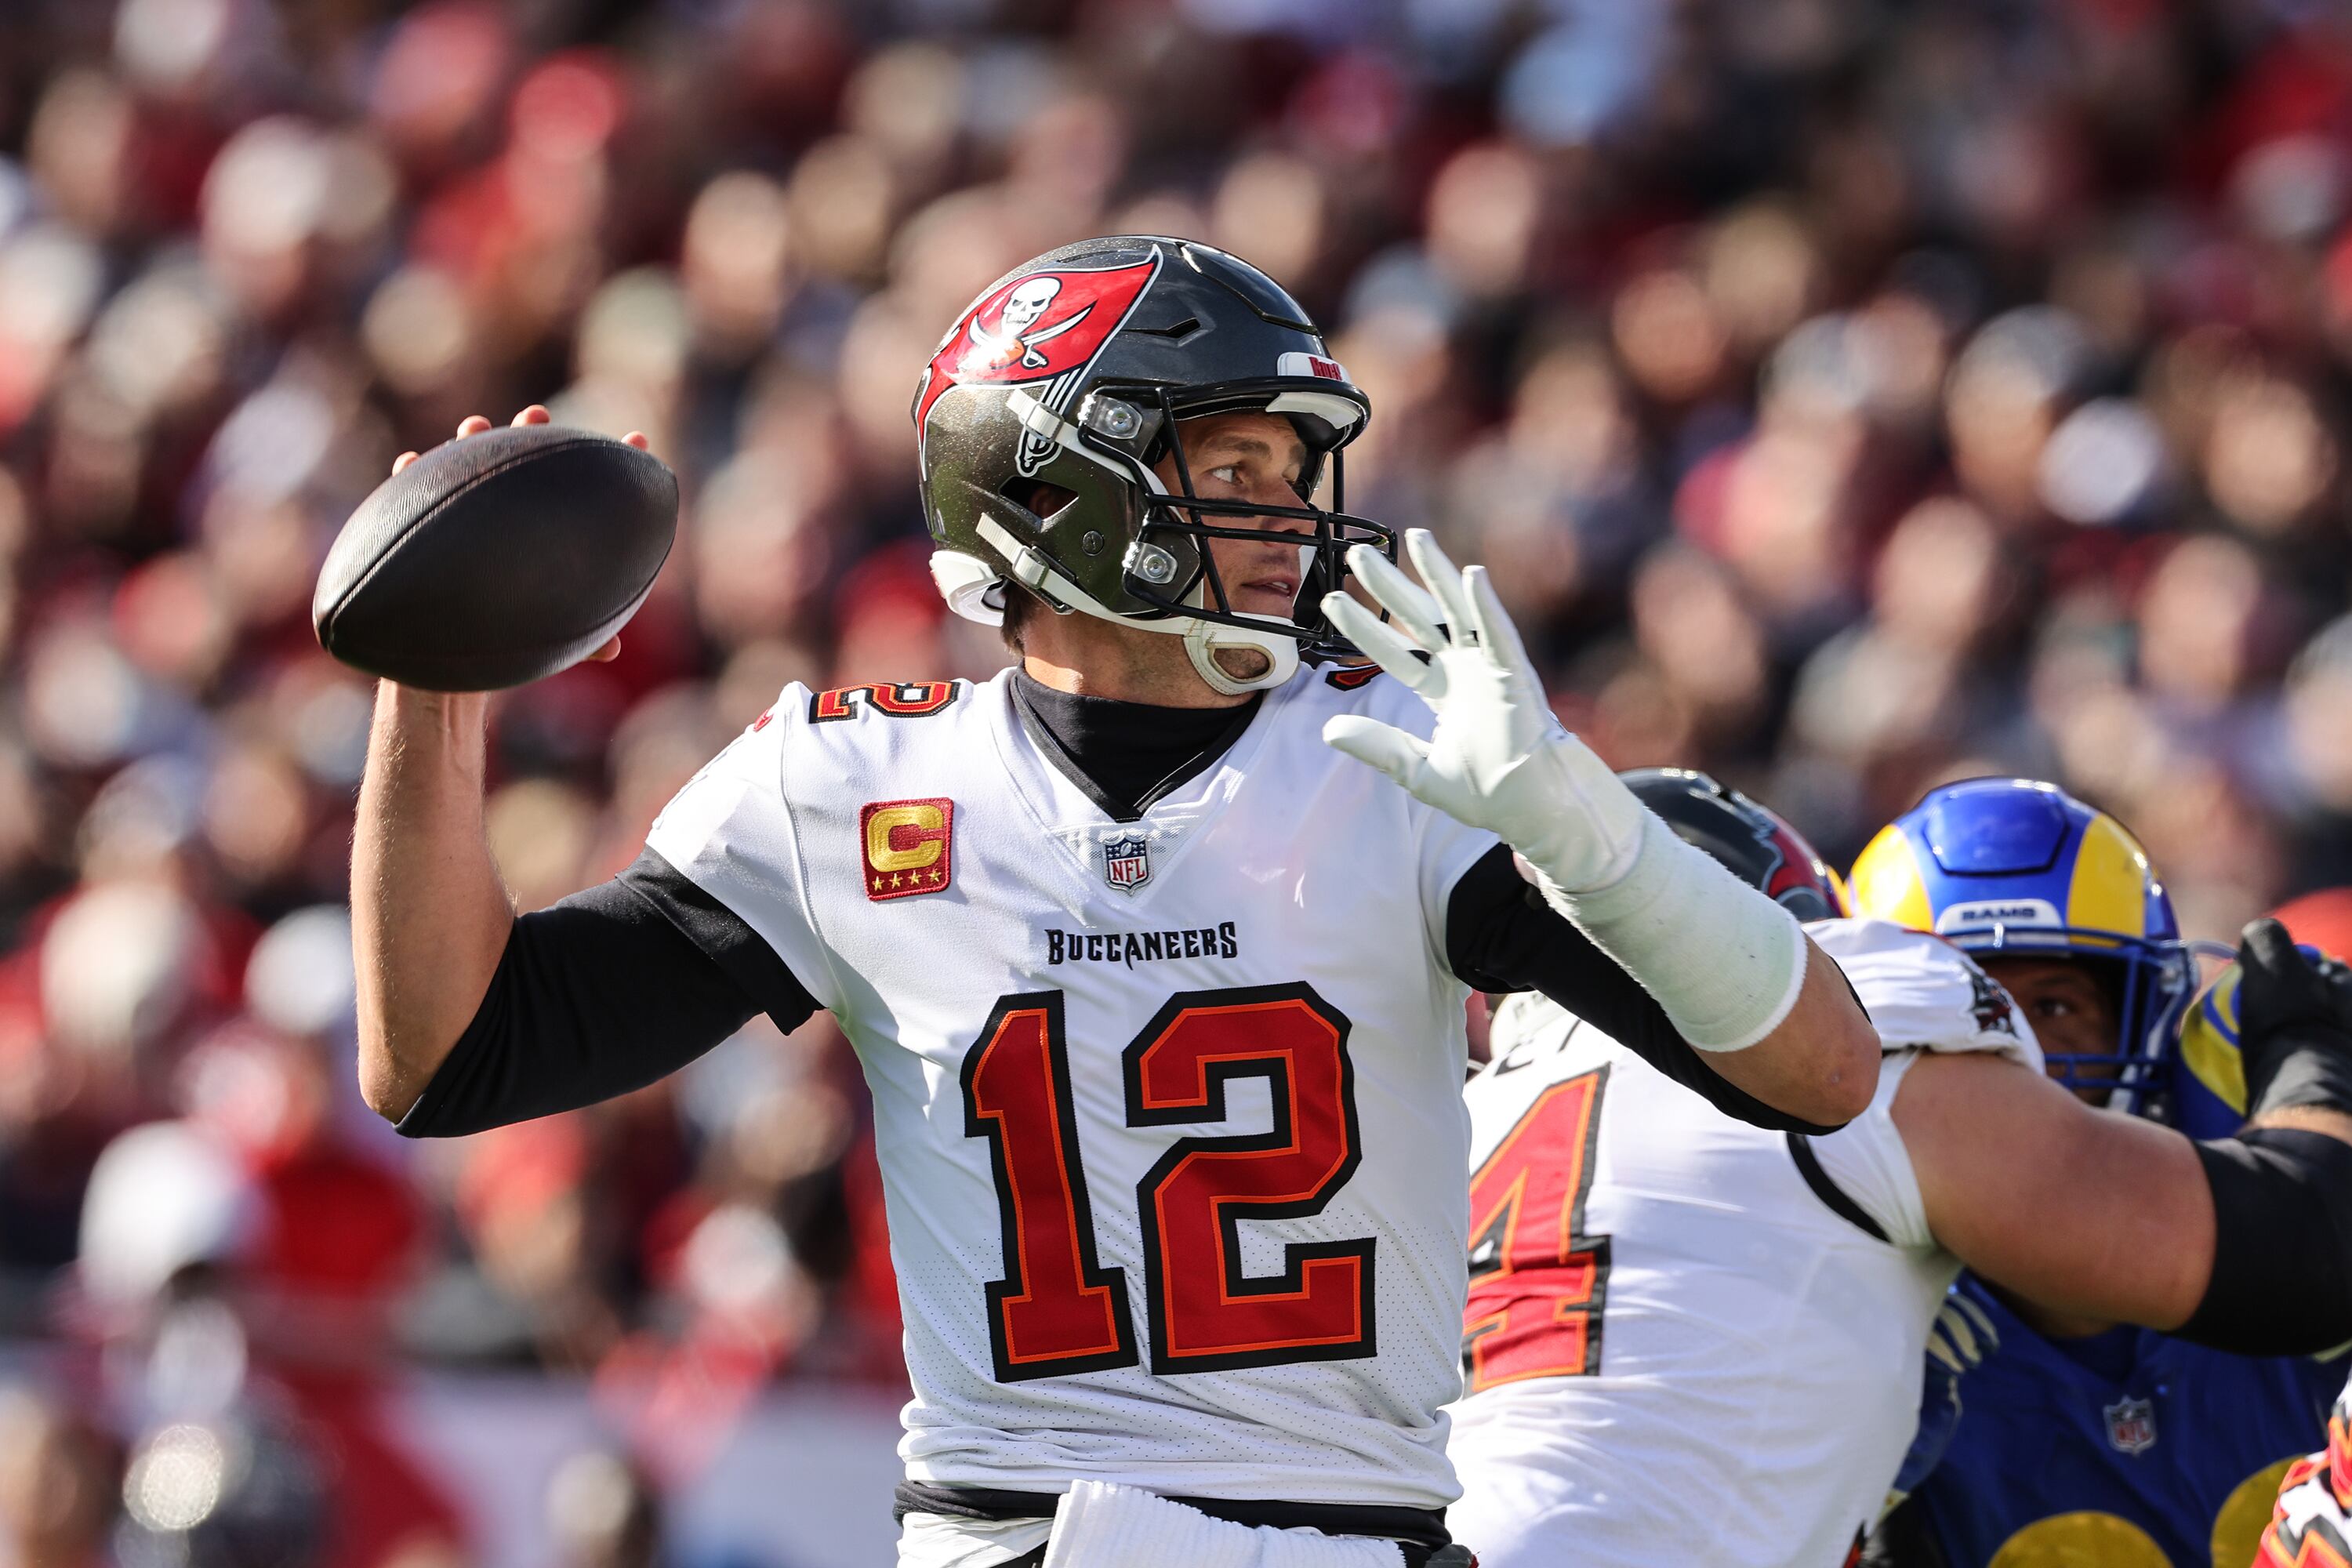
{"points": [[1279, 493]]}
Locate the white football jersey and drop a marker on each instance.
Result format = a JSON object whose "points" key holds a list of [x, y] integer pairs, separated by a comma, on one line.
{"points": [[1168, 1112], [1677, 1349]]}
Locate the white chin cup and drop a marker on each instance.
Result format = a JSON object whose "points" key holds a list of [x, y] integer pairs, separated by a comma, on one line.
{"points": [[1204, 640], [964, 581]]}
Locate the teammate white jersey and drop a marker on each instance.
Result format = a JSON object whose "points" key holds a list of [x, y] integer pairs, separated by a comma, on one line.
{"points": [[1677, 1348], [1168, 1112]]}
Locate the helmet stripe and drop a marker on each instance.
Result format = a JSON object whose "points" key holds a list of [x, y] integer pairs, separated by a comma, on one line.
{"points": [[1888, 884], [2108, 889], [2209, 1042]]}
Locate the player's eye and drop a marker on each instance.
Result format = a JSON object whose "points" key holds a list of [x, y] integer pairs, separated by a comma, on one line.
{"points": [[1230, 473]]}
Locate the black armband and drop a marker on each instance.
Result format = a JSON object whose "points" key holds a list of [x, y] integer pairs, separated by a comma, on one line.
{"points": [[2281, 1280]]}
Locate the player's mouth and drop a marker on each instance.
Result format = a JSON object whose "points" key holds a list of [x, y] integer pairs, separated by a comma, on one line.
{"points": [[1267, 593], [1262, 576], [1266, 581]]}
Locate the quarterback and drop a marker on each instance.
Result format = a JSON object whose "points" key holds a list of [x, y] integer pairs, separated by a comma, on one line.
{"points": [[1693, 1338], [1154, 950]]}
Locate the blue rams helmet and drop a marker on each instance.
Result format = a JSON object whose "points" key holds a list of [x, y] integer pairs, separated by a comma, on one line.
{"points": [[2209, 1095], [2018, 868], [2208, 1098]]}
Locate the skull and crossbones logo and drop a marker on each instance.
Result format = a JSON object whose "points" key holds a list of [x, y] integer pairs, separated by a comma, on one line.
{"points": [[1012, 340]]}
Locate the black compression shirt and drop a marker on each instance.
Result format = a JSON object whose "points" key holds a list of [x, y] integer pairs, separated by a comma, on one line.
{"points": [[1125, 755], [622, 984]]}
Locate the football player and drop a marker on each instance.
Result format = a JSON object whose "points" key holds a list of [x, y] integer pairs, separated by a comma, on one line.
{"points": [[2311, 1525], [2078, 1435], [1688, 1339], [1158, 988]]}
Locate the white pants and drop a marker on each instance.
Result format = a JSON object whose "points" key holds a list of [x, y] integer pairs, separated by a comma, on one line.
{"points": [[1104, 1526], [934, 1540]]}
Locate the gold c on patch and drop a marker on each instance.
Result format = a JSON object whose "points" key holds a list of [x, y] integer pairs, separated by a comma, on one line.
{"points": [[906, 846]]}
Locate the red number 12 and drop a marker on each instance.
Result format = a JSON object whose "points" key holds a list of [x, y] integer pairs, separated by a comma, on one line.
{"points": [[1057, 1311]]}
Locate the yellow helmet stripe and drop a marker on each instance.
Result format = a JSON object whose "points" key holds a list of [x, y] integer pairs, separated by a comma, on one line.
{"points": [[1888, 884], [2108, 889], [2208, 1044]]}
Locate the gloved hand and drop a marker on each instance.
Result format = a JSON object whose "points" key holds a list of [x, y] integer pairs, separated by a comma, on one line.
{"points": [[2295, 1023], [1498, 757], [1725, 963]]}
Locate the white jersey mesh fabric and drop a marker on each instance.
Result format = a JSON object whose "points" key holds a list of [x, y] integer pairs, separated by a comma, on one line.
{"points": [[1745, 1373], [1168, 1111]]}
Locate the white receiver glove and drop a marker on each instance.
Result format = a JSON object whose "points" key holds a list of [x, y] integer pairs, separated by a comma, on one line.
{"points": [[1725, 962]]}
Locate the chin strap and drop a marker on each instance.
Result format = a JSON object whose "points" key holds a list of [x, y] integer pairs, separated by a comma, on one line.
{"points": [[1204, 640], [1035, 570]]}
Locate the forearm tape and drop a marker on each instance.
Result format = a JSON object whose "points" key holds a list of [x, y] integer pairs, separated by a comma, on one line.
{"points": [[2307, 1064], [1724, 960], [2282, 1282]]}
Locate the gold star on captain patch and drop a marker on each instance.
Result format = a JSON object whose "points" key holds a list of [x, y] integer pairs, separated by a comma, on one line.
{"points": [[895, 879], [938, 875]]}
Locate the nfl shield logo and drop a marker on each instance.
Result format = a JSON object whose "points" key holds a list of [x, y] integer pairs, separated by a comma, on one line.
{"points": [[1126, 863], [2131, 1426]]}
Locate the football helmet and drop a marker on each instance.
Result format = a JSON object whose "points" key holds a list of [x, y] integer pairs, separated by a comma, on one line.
{"points": [[2320, 920], [1759, 847], [2311, 1523], [2209, 1097], [1069, 376], [2014, 867], [2209, 1094]]}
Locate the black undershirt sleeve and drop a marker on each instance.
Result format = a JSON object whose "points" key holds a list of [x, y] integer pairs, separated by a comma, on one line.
{"points": [[2281, 1280], [1500, 935], [602, 993]]}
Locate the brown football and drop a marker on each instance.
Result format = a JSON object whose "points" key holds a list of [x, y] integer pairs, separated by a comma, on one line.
{"points": [[497, 560]]}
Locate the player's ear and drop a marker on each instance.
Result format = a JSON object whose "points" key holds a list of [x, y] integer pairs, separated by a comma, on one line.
{"points": [[1040, 498], [1021, 606]]}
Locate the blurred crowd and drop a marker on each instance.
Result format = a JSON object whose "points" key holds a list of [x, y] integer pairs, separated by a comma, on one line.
{"points": [[1849, 395]]}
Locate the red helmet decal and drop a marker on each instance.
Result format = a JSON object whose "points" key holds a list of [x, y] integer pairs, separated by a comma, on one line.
{"points": [[1795, 868], [1793, 873], [1038, 327], [1312, 365]]}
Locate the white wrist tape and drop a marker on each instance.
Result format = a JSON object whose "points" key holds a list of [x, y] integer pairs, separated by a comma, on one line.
{"points": [[1724, 960]]}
